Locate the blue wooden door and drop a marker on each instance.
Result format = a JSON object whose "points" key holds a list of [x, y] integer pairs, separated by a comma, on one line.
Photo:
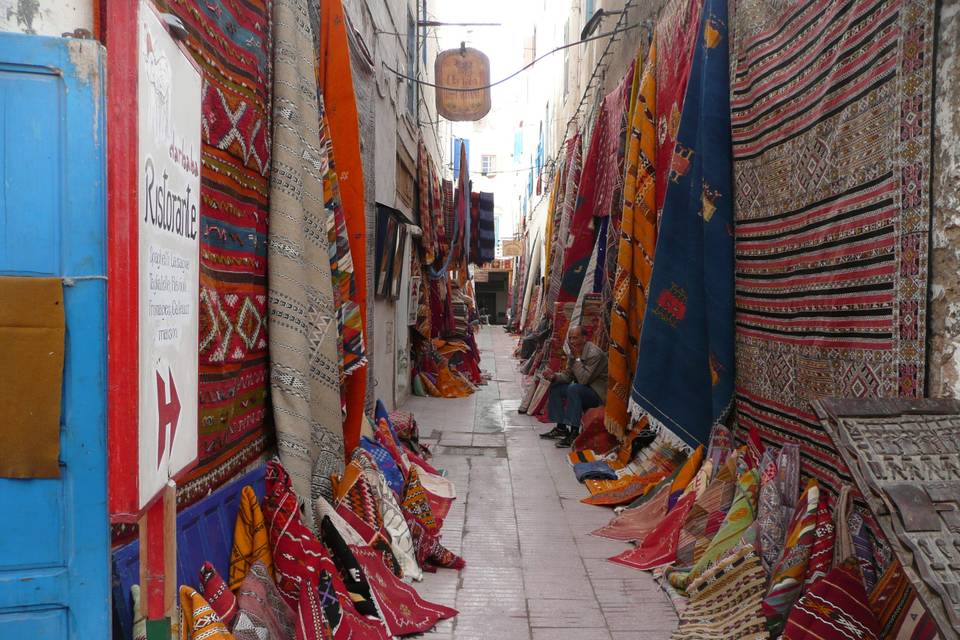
{"points": [[54, 536]]}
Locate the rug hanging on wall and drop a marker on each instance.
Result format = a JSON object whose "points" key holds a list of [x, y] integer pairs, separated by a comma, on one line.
{"points": [[831, 117], [685, 367], [305, 363], [231, 44], [638, 236], [335, 79]]}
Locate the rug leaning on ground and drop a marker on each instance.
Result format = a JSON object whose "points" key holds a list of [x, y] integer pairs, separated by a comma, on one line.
{"points": [[830, 113]]}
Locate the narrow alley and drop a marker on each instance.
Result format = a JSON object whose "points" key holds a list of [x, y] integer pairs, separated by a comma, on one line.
{"points": [[533, 569], [499, 320]]}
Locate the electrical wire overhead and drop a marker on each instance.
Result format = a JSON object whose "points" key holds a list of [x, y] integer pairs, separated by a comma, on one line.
{"points": [[608, 34]]}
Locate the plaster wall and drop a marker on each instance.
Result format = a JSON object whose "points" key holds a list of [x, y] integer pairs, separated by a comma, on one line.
{"points": [[389, 132], [46, 17], [943, 373]]}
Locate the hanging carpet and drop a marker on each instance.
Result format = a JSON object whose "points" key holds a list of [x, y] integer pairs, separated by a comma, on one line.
{"points": [[305, 366], [831, 143], [594, 192], [335, 77], [676, 34], [231, 44], [638, 235], [684, 379], [486, 228]]}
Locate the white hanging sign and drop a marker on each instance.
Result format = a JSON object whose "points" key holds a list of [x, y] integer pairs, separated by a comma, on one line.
{"points": [[168, 90]]}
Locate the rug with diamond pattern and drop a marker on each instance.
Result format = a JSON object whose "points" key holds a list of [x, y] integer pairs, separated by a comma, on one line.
{"points": [[830, 112], [230, 42]]}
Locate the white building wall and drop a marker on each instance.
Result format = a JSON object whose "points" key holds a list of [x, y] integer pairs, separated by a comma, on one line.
{"points": [[394, 132], [46, 17]]}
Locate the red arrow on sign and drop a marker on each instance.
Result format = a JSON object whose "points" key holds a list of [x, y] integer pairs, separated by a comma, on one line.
{"points": [[169, 413]]}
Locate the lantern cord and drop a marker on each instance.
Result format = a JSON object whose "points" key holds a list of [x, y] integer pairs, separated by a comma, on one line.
{"points": [[518, 71]]}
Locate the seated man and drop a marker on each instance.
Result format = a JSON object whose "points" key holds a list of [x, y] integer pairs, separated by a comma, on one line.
{"points": [[581, 386]]}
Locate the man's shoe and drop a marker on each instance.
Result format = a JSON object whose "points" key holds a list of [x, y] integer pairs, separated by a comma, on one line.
{"points": [[566, 441], [555, 433]]}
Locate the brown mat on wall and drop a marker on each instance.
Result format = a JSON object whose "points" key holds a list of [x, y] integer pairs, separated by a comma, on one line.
{"points": [[31, 376]]}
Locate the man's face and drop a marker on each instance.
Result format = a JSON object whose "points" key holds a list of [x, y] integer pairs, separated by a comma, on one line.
{"points": [[576, 340]]}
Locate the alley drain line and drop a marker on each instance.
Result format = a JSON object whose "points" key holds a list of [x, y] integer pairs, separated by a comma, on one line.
{"points": [[471, 451]]}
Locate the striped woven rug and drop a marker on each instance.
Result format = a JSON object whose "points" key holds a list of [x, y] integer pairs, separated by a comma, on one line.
{"points": [[830, 112], [231, 44]]}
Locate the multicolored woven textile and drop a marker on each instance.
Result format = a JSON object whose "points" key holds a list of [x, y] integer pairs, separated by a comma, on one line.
{"points": [[198, 621], [385, 462], [659, 546], [423, 527], [325, 614], [898, 609], [335, 78], [250, 541], [303, 567], [403, 610], [685, 370], [294, 548], [720, 447], [231, 43], [725, 601], [738, 520], [352, 574], [623, 491], [677, 33], [314, 610], [593, 436], [560, 226], [687, 473], [594, 192], [821, 554], [215, 591], [416, 503], [635, 524], [649, 466], [707, 514], [304, 354], [424, 210], [778, 496], [436, 211], [831, 142], [449, 216], [355, 494], [387, 438], [835, 607], [398, 532], [349, 319], [486, 228], [786, 579], [263, 614]]}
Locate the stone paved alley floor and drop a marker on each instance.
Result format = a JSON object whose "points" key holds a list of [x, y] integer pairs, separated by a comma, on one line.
{"points": [[533, 569]]}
